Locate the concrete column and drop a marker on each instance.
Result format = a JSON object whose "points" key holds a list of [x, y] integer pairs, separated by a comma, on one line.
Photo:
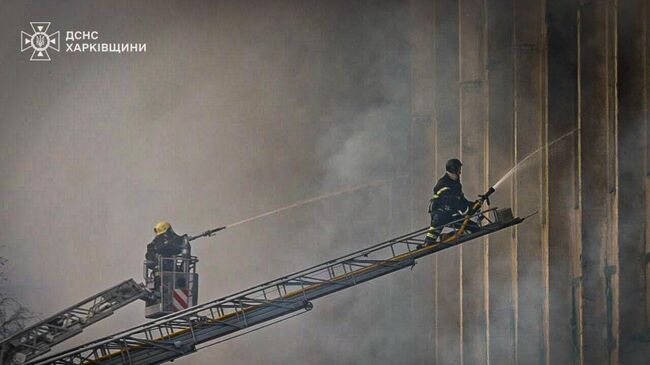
{"points": [[529, 137], [422, 148], [500, 141], [562, 176], [632, 134], [598, 182], [473, 152], [646, 68], [447, 131]]}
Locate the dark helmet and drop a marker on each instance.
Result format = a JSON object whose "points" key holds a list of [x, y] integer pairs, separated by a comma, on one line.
{"points": [[453, 165]]}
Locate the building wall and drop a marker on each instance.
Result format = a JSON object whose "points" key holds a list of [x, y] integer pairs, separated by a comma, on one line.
{"points": [[568, 82]]}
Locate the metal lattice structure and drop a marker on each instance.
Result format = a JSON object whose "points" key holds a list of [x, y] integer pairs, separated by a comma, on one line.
{"points": [[36, 340], [178, 334]]}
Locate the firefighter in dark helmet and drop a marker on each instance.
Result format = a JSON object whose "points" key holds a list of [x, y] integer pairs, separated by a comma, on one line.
{"points": [[448, 202]]}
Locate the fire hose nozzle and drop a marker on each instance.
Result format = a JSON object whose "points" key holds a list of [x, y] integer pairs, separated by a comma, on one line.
{"points": [[486, 197], [209, 233]]}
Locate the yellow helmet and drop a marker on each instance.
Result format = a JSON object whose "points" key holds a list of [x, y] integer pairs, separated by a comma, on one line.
{"points": [[161, 227]]}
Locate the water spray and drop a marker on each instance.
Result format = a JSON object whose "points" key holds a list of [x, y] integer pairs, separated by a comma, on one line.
{"points": [[475, 207], [485, 198], [522, 162], [212, 232]]}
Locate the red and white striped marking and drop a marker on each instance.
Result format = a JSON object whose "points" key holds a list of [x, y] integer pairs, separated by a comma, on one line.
{"points": [[180, 299]]}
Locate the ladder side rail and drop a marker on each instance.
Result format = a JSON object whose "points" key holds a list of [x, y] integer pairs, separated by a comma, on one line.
{"points": [[214, 331], [224, 305], [366, 274]]}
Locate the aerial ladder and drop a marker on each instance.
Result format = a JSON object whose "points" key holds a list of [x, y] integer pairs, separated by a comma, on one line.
{"points": [[169, 292], [38, 339], [184, 332]]}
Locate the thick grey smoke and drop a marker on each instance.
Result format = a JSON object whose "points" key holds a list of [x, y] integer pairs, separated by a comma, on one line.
{"points": [[237, 108]]}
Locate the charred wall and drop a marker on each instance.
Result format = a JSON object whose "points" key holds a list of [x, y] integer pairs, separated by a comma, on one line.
{"points": [[511, 77]]}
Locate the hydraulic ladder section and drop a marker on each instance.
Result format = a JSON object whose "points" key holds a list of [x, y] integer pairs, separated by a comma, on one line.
{"points": [[39, 338], [179, 334]]}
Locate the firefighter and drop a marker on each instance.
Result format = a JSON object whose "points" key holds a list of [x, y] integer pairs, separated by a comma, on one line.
{"points": [[448, 202], [166, 243]]}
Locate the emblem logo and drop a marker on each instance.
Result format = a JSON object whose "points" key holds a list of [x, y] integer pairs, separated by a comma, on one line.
{"points": [[40, 41]]}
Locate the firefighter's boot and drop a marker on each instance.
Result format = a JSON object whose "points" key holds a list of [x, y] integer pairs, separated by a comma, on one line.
{"points": [[432, 236]]}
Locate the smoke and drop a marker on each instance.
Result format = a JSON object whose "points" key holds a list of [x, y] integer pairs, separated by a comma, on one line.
{"points": [[365, 139], [237, 108]]}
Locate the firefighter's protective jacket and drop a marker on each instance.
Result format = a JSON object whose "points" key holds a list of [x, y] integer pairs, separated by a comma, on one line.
{"points": [[166, 245], [448, 196]]}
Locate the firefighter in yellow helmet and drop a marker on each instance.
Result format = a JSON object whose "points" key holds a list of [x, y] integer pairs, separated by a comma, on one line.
{"points": [[166, 243]]}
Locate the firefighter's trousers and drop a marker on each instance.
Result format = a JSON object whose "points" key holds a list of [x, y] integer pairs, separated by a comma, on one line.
{"points": [[439, 218]]}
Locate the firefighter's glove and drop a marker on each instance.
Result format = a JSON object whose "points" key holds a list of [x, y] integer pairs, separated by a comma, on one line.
{"points": [[474, 207]]}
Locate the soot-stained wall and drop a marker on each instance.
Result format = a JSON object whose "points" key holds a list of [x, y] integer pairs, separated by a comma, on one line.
{"points": [[560, 88]]}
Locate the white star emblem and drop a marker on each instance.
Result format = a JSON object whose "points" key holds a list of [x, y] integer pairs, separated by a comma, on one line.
{"points": [[40, 41]]}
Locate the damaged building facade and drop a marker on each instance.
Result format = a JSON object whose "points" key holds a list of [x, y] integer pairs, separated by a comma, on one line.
{"points": [[493, 81]]}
